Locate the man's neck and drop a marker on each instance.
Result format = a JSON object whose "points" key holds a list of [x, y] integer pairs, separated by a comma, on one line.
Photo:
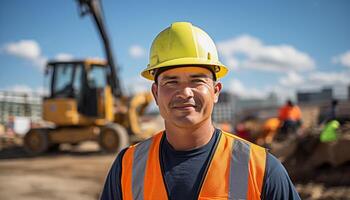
{"points": [[187, 138]]}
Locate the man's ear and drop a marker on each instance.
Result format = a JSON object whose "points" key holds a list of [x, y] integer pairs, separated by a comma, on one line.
{"points": [[217, 89], [155, 92]]}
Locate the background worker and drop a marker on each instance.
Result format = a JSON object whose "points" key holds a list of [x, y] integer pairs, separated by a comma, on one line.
{"points": [[191, 159], [330, 124], [269, 131], [332, 112], [290, 118]]}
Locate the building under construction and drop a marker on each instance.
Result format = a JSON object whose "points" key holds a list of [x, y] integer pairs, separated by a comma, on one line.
{"points": [[19, 104]]}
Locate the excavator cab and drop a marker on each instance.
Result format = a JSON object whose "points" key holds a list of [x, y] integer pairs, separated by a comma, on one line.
{"points": [[86, 101], [80, 93]]}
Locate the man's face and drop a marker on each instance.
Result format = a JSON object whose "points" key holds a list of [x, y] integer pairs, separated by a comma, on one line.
{"points": [[186, 95]]}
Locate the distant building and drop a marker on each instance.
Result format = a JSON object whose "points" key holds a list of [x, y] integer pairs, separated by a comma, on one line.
{"points": [[259, 108], [14, 104], [269, 101], [230, 105], [225, 108], [325, 95]]}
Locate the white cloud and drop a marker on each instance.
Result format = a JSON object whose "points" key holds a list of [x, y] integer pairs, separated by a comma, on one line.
{"points": [[330, 78], [137, 51], [292, 79], [288, 85], [236, 87], [315, 80], [24, 48], [42, 91], [137, 85], [64, 57], [343, 59], [22, 88], [28, 50], [247, 51], [312, 81]]}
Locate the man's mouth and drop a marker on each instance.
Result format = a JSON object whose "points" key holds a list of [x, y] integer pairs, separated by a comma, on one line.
{"points": [[184, 106]]}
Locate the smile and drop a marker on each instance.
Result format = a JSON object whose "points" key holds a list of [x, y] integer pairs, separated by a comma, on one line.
{"points": [[184, 107]]}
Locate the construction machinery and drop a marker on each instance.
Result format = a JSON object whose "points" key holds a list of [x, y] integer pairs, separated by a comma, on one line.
{"points": [[86, 101]]}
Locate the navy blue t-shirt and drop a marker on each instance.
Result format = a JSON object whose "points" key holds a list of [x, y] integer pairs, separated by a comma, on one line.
{"points": [[183, 172], [190, 164]]}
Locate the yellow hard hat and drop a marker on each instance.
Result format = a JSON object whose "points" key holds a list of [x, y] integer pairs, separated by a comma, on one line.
{"points": [[183, 44]]}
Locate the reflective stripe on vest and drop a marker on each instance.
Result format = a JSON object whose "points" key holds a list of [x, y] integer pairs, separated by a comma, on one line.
{"points": [[235, 172], [240, 163], [139, 168]]}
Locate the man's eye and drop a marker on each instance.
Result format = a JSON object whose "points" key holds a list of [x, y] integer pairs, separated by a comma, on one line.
{"points": [[170, 83], [198, 81]]}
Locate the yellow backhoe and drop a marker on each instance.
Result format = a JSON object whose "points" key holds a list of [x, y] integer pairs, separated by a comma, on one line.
{"points": [[86, 101]]}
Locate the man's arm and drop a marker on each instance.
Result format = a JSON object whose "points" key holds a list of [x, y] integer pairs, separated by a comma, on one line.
{"points": [[278, 185], [112, 187]]}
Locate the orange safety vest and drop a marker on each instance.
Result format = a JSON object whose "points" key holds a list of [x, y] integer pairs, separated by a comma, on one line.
{"points": [[235, 171], [289, 113]]}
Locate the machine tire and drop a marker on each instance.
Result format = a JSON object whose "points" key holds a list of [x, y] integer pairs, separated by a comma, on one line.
{"points": [[54, 148], [113, 138], [36, 141]]}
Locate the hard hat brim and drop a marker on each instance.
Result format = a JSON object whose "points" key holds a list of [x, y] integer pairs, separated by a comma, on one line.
{"points": [[187, 61]]}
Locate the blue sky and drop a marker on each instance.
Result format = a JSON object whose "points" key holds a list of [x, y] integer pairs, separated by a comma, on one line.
{"points": [[279, 46]]}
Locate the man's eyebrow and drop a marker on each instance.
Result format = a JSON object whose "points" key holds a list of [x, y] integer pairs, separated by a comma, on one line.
{"points": [[168, 77], [200, 75]]}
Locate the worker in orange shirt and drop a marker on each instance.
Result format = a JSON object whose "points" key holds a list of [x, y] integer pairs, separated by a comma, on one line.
{"points": [[269, 130], [290, 117]]}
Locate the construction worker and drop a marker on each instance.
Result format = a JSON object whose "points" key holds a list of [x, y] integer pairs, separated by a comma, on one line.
{"points": [[332, 113], [290, 118], [269, 130], [191, 159]]}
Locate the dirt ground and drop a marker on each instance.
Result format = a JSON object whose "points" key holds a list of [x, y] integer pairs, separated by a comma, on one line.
{"points": [[76, 173], [79, 173]]}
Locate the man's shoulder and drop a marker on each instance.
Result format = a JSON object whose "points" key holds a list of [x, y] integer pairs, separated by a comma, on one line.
{"points": [[277, 183]]}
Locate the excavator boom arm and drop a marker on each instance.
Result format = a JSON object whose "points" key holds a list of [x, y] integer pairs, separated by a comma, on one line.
{"points": [[93, 7]]}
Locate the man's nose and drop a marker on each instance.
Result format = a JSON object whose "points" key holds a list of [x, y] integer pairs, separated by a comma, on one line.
{"points": [[184, 92]]}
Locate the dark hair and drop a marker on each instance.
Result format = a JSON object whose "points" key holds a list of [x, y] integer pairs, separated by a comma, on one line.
{"points": [[334, 102], [290, 102]]}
